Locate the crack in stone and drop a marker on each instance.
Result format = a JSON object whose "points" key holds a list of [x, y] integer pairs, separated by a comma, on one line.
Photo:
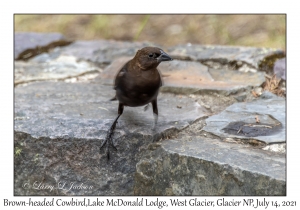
{"points": [[60, 79], [30, 53]]}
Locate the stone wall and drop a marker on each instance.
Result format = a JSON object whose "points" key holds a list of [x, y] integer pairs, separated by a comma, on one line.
{"points": [[62, 113]]}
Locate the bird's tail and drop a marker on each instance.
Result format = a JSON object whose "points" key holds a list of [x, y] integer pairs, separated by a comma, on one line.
{"points": [[113, 99]]}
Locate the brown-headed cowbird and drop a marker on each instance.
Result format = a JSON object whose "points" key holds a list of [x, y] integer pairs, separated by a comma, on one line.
{"points": [[137, 84]]}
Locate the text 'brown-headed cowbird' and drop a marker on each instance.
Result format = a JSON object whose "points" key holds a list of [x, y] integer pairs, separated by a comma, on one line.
{"points": [[137, 84]]}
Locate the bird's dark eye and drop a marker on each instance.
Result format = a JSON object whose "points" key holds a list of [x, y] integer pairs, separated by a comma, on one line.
{"points": [[153, 55]]}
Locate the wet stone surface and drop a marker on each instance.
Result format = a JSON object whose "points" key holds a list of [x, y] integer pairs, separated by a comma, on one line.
{"points": [[240, 128], [61, 120], [270, 113]]}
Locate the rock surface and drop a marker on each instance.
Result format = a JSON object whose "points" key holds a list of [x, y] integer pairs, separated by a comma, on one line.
{"points": [[29, 44], [101, 51], [280, 68], [216, 56], [45, 68], [60, 126], [62, 119], [269, 112], [196, 165], [188, 77]]}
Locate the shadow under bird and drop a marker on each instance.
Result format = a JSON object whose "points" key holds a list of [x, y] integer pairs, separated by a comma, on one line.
{"points": [[137, 84]]}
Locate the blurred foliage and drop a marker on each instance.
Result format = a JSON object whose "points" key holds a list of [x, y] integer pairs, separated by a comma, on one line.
{"points": [[166, 30]]}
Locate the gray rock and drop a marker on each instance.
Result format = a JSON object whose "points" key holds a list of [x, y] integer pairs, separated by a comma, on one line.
{"points": [[43, 67], [268, 95], [29, 44], [280, 68], [247, 59], [59, 128], [224, 55], [102, 51], [241, 98], [193, 165], [270, 112], [187, 77]]}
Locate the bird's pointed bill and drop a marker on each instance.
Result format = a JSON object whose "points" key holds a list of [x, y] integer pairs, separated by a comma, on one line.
{"points": [[164, 57]]}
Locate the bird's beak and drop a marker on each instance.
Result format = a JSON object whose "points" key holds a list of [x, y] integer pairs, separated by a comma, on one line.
{"points": [[164, 57]]}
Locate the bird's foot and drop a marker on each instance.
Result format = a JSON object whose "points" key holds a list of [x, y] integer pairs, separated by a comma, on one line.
{"points": [[109, 143], [108, 140]]}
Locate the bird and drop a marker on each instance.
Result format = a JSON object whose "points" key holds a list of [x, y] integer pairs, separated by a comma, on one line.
{"points": [[137, 84]]}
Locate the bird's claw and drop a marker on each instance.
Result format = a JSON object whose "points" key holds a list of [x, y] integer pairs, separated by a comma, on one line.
{"points": [[108, 142]]}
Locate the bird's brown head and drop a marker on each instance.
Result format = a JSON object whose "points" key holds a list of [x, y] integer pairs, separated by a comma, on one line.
{"points": [[150, 57]]}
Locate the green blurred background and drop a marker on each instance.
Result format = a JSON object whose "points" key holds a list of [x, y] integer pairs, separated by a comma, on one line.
{"points": [[166, 30]]}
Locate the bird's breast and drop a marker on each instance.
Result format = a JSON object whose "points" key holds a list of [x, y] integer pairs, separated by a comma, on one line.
{"points": [[138, 89]]}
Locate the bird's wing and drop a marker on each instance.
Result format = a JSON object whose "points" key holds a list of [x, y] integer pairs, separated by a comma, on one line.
{"points": [[161, 79], [120, 74]]}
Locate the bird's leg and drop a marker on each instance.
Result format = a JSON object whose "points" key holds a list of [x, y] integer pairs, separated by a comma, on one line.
{"points": [[155, 111], [108, 140], [110, 133]]}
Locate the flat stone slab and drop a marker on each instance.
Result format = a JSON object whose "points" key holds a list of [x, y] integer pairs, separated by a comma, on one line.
{"points": [[28, 44], [271, 114], [102, 51], [60, 126], [237, 56], [43, 67], [106, 51], [188, 77], [195, 165]]}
